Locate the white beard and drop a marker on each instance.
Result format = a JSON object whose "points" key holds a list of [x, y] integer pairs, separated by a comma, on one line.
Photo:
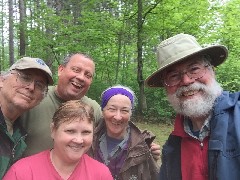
{"points": [[199, 106]]}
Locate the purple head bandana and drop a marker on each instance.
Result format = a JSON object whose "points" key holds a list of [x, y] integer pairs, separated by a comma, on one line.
{"points": [[114, 91]]}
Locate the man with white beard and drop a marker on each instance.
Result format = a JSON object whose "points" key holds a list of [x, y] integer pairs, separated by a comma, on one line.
{"points": [[205, 142]]}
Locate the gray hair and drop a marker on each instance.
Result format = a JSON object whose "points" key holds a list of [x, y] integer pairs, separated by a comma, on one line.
{"points": [[207, 59], [5, 73], [67, 58]]}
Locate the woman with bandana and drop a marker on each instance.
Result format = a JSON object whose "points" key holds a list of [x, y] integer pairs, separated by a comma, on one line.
{"points": [[118, 143]]}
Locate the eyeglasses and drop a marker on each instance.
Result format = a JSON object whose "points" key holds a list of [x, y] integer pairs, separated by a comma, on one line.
{"points": [[26, 80], [195, 72]]}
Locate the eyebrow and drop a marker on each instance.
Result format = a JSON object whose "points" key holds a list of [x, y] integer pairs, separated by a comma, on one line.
{"points": [[114, 106], [197, 61]]}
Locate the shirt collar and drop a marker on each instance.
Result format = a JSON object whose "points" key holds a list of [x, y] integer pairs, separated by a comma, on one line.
{"points": [[204, 131]]}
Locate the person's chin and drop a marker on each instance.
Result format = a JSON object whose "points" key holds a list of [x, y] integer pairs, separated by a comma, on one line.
{"points": [[74, 160], [78, 155], [76, 91], [24, 105], [72, 95]]}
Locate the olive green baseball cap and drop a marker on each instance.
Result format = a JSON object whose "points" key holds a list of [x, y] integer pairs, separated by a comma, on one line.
{"points": [[33, 63]]}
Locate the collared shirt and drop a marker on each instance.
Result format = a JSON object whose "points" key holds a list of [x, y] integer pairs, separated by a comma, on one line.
{"points": [[9, 124], [204, 131], [115, 151], [115, 159]]}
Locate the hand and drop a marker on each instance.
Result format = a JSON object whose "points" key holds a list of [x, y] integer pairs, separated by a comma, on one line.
{"points": [[155, 150]]}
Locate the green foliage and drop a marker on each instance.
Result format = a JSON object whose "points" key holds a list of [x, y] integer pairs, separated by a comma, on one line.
{"points": [[107, 31], [158, 109], [228, 74]]}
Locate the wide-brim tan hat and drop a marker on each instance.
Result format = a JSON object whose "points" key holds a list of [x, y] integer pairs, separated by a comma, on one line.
{"points": [[33, 63], [179, 48]]}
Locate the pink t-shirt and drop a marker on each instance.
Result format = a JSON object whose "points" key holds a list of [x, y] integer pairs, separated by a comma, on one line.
{"points": [[40, 167]]}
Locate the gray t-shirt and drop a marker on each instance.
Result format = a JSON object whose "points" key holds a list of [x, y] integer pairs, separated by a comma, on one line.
{"points": [[37, 121]]}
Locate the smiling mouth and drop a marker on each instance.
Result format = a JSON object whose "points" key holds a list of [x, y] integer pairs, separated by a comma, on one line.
{"points": [[76, 148], [189, 93], [116, 124], [26, 97], [77, 85]]}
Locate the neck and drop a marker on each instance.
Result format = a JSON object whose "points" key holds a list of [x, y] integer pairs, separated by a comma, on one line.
{"points": [[58, 94], [10, 112], [198, 122], [56, 91], [63, 168]]}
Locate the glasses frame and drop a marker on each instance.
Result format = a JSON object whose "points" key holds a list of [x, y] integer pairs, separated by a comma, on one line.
{"points": [[26, 83], [187, 73]]}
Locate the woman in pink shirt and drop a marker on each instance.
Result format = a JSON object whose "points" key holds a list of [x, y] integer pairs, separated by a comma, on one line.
{"points": [[72, 134]]}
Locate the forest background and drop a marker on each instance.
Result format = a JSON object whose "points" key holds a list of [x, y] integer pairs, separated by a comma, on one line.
{"points": [[121, 36]]}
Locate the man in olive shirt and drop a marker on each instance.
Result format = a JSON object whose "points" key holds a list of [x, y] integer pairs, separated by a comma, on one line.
{"points": [[75, 76]]}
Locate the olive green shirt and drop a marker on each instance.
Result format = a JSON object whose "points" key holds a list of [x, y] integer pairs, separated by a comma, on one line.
{"points": [[37, 121]]}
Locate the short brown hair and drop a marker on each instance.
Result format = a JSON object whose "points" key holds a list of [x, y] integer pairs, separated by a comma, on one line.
{"points": [[71, 110]]}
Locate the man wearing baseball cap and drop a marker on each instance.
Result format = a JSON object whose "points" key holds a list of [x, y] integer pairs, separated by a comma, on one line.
{"points": [[22, 87], [205, 142]]}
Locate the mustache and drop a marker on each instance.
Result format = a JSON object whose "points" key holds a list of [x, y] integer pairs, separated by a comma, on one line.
{"points": [[200, 105], [192, 87]]}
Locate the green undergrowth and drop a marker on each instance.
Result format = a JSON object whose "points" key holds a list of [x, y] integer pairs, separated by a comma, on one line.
{"points": [[161, 131]]}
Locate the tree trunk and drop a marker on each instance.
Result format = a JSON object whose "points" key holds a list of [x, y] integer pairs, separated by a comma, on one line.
{"points": [[11, 42], [2, 42], [140, 59], [22, 38]]}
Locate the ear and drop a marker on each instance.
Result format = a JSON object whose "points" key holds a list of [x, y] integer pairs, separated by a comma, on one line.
{"points": [[213, 70], [52, 130], [1, 81], [60, 69]]}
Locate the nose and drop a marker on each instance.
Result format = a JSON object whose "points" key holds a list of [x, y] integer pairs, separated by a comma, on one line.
{"points": [[80, 76], [186, 80], [78, 139], [118, 115], [31, 86]]}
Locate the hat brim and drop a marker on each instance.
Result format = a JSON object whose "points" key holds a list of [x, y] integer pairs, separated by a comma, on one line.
{"points": [[218, 54], [50, 80]]}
